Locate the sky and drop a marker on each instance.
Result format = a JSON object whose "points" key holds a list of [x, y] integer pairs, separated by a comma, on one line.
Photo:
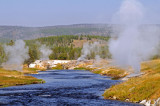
{"points": [[64, 12]]}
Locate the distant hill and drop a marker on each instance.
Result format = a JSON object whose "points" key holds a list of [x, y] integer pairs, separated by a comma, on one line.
{"points": [[4, 40], [26, 33]]}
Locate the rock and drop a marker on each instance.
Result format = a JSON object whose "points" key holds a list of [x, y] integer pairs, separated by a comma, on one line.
{"points": [[132, 75], [157, 102], [146, 103], [127, 100], [124, 79], [114, 97], [143, 102]]}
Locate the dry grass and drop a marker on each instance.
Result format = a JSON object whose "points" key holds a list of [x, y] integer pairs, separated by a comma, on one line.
{"points": [[13, 78], [58, 67], [115, 73], [138, 88], [83, 68], [99, 67], [30, 70], [78, 43]]}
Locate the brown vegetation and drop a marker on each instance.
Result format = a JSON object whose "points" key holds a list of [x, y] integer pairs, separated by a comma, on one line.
{"points": [[145, 87], [101, 68], [13, 78]]}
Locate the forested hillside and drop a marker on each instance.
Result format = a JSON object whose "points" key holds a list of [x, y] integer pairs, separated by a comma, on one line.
{"points": [[27, 33], [4, 40]]}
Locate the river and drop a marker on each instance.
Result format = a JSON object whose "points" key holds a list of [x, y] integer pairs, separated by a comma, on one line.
{"points": [[62, 87]]}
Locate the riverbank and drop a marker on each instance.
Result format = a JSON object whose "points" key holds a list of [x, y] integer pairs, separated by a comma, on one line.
{"points": [[101, 67], [145, 85], [143, 89], [15, 78], [113, 72], [62, 87]]}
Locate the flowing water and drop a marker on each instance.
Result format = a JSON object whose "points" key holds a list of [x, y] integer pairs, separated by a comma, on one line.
{"points": [[62, 87]]}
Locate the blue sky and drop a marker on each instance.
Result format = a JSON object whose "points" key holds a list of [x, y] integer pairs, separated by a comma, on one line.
{"points": [[64, 12]]}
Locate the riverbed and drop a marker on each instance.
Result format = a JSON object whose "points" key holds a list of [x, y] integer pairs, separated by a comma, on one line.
{"points": [[62, 87]]}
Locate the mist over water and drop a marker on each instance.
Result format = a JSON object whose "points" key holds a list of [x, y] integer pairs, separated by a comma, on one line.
{"points": [[16, 54], [134, 44]]}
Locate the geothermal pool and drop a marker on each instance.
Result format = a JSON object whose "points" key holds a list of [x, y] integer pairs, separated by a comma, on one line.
{"points": [[62, 87]]}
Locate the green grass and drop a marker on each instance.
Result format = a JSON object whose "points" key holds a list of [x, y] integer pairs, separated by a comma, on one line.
{"points": [[83, 68], [138, 88], [14, 78], [30, 70], [58, 67], [97, 71], [115, 73], [144, 87], [80, 68], [14, 81]]}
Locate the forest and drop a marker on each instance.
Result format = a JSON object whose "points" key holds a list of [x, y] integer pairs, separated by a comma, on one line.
{"points": [[64, 47]]}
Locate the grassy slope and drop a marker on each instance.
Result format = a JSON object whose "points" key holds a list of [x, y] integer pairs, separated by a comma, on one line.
{"points": [[113, 72], [13, 78], [32, 70], [138, 88]]}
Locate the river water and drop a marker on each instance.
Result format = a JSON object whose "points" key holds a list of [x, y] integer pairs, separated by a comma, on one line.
{"points": [[62, 87]]}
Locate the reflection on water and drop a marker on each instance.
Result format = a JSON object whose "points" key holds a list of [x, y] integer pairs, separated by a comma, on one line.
{"points": [[63, 87]]}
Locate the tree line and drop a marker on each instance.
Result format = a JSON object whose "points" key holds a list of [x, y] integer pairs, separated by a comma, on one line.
{"points": [[62, 47]]}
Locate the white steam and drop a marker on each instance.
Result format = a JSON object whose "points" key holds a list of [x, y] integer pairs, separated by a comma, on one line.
{"points": [[97, 58], [133, 45], [87, 49], [131, 12], [16, 54], [45, 52]]}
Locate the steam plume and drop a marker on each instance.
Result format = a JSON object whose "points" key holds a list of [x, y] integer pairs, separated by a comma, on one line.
{"points": [[132, 45], [17, 54], [45, 52], [88, 49]]}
